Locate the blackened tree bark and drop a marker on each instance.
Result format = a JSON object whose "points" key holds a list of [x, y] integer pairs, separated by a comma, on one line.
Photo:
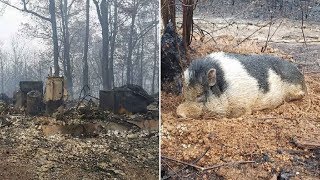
{"points": [[168, 12], [85, 70], [102, 12], [141, 63], [135, 79], [52, 11], [187, 21], [130, 42], [113, 41], [66, 45]]}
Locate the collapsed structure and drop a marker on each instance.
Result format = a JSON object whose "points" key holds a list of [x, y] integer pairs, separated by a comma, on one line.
{"points": [[33, 100]]}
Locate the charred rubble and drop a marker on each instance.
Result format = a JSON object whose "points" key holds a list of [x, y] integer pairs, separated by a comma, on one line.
{"points": [[109, 139], [129, 106]]}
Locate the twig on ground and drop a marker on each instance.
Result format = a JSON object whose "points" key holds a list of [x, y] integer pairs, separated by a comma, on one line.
{"points": [[315, 41], [228, 164], [265, 118], [207, 168], [194, 162], [174, 172], [306, 144], [185, 163]]}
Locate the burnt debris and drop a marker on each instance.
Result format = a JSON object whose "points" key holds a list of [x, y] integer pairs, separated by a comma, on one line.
{"points": [[126, 99], [173, 55]]}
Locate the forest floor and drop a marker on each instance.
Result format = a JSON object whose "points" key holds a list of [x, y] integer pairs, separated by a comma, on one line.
{"points": [[65, 148], [279, 141]]}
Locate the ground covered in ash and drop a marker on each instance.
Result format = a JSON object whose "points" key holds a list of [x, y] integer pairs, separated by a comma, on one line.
{"points": [[283, 143], [79, 145]]}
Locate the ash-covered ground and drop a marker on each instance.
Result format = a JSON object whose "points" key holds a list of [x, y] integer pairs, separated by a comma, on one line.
{"points": [[79, 144]]}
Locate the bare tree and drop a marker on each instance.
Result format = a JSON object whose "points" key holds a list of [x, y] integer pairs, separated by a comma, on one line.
{"points": [[52, 20], [141, 63], [66, 45], [102, 12], [133, 10], [85, 74], [113, 40]]}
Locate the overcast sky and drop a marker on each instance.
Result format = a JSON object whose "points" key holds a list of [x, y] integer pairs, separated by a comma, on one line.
{"points": [[9, 25]]}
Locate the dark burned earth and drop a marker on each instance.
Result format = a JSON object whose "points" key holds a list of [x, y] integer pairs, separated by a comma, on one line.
{"points": [[283, 143], [82, 143]]}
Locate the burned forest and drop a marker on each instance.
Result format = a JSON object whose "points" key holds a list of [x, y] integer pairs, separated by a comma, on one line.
{"points": [[240, 89], [79, 89]]}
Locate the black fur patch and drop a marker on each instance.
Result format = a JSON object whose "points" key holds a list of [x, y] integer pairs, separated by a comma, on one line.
{"points": [[198, 75], [258, 66]]}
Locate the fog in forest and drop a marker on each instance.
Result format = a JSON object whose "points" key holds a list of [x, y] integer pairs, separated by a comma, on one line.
{"points": [[99, 43]]}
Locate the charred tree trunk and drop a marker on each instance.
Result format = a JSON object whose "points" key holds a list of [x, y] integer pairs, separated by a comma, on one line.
{"points": [[103, 19], [187, 21], [168, 12], [113, 41], [130, 45], [141, 63], [105, 45], [122, 77], [85, 73], [25, 74], [52, 10], [135, 78], [66, 45]]}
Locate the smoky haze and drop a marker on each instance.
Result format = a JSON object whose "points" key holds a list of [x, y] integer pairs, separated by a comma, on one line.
{"points": [[27, 44]]}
